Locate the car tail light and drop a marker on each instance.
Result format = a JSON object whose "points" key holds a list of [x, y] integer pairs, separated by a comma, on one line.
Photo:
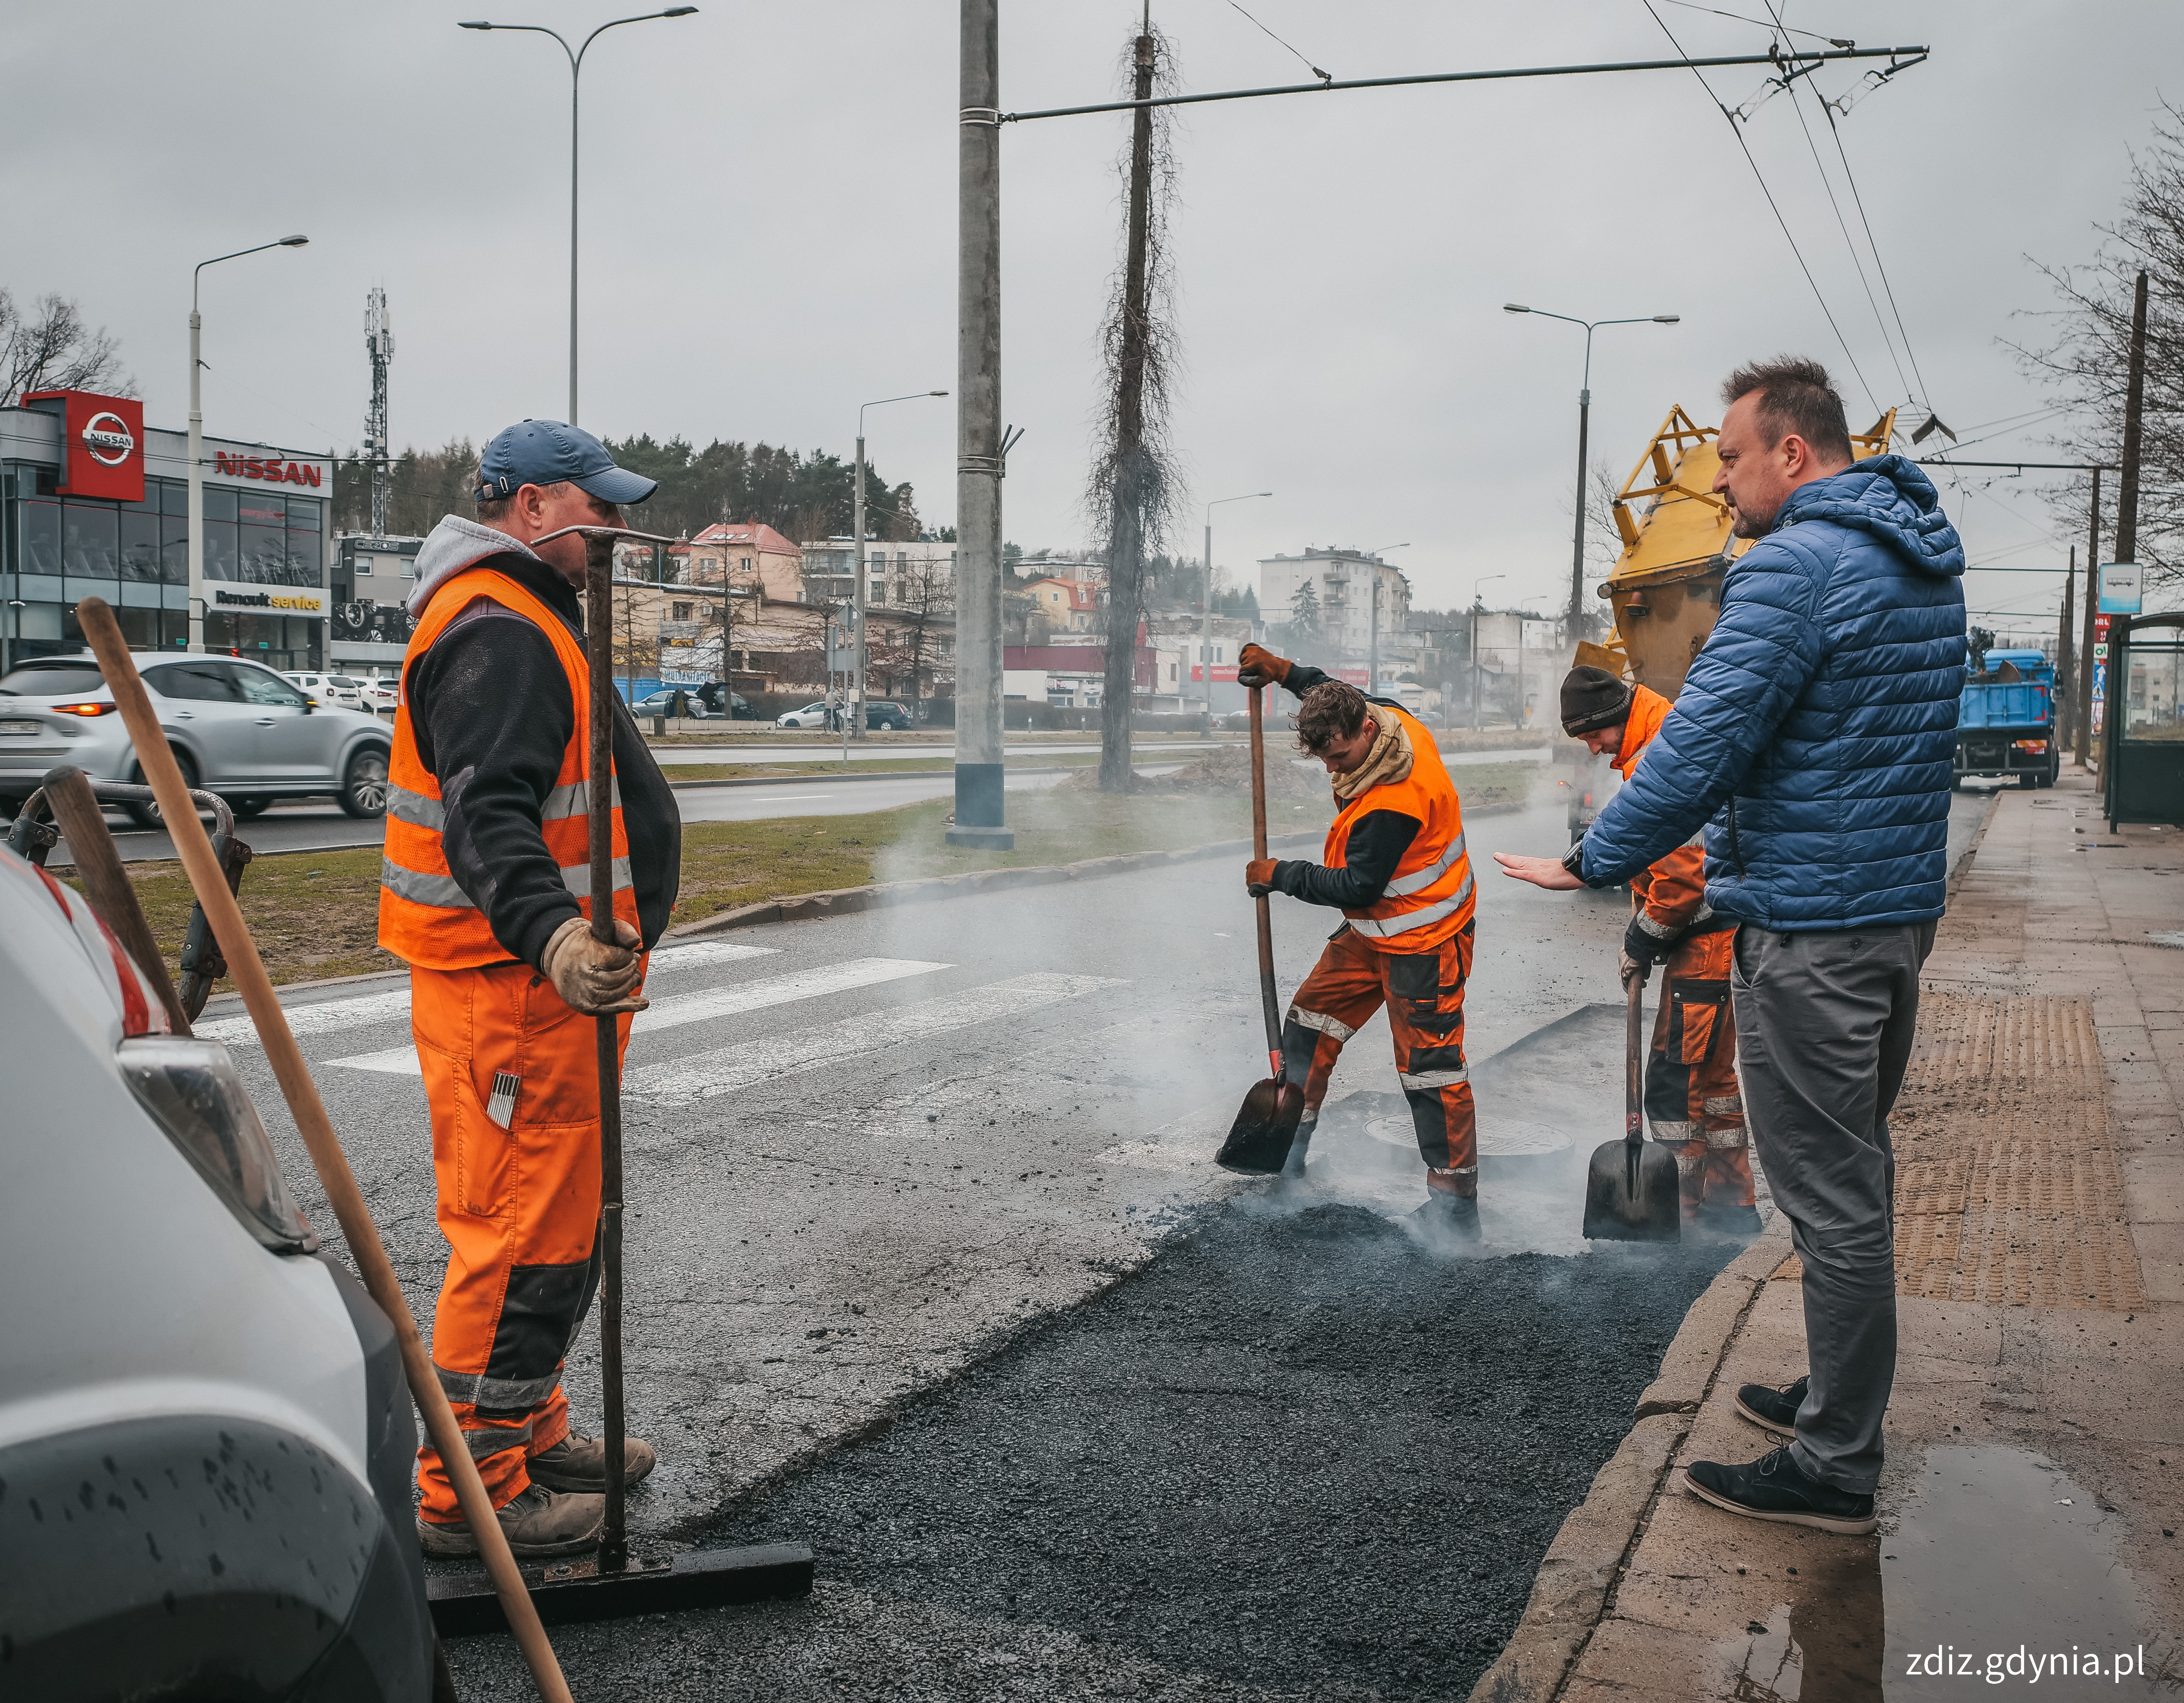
{"points": [[84, 709], [192, 1092]]}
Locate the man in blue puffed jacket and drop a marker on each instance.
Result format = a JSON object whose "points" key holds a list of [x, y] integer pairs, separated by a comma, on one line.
{"points": [[1813, 738]]}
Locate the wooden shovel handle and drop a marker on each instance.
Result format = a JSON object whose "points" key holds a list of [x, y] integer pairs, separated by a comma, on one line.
{"points": [[1268, 997], [317, 1129], [113, 896], [1634, 1056]]}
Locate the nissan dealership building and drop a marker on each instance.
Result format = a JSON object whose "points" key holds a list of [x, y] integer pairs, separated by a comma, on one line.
{"points": [[93, 502]]}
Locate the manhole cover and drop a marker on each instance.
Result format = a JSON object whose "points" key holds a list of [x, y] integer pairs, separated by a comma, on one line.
{"points": [[1497, 1140]]}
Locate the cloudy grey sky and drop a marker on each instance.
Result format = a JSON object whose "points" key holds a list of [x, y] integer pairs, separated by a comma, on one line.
{"points": [[770, 235]]}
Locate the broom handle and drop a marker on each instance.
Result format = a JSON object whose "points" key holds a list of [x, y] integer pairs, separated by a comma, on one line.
{"points": [[1266, 997], [354, 1217], [1633, 1117], [598, 794]]}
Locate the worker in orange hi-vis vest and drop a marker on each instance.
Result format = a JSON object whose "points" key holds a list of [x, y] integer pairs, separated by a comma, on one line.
{"points": [[1396, 868], [1693, 1102], [485, 891]]}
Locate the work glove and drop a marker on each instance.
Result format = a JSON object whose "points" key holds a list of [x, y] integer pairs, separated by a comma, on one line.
{"points": [[1627, 966], [594, 976], [1642, 947], [1259, 877], [1256, 665]]}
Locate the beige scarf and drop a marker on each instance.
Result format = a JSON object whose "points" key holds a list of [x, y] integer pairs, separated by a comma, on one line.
{"points": [[1389, 762]]}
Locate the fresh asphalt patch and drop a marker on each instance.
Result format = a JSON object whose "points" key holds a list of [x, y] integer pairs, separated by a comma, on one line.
{"points": [[1297, 1455]]}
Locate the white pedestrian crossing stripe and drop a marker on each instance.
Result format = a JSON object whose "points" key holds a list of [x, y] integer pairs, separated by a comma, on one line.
{"points": [[685, 1082], [363, 1009], [715, 1002]]}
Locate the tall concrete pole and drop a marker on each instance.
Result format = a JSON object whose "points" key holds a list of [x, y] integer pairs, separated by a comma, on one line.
{"points": [[2082, 732], [197, 581], [858, 657], [2126, 529], [980, 816], [2066, 696]]}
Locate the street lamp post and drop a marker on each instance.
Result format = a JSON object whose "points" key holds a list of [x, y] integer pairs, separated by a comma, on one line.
{"points": [[1476, 605], [1583, 431], [197, 609], [859, 654], [576, 69], [1206, 643]]}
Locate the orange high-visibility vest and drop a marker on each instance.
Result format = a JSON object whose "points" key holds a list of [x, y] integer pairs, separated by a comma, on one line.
{"points": [[1670, 892], [425, 917], [1430, 897]]}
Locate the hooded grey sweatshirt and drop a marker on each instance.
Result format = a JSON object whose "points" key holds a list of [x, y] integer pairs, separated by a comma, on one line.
{"points": [[491, 711]]}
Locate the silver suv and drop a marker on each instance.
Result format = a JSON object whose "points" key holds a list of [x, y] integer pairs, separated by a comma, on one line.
{"points": [[239, 730]]}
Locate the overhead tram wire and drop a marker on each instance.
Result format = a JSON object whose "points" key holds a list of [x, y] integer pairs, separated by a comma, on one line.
{"points": [[1843, 224], [1737, 130], [1324, 76], [1832, 41]]}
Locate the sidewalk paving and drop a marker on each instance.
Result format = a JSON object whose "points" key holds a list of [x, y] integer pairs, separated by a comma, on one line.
{"points": [[2035, 1484]]}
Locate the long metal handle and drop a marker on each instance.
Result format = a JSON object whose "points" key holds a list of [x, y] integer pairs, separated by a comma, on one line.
{"points": [[1266, 995], [104, 630], [599, 628], [1633, 1076]]}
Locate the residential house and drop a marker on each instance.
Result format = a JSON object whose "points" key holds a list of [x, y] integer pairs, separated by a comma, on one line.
{"points": [[1067, 605], [740, 556]]}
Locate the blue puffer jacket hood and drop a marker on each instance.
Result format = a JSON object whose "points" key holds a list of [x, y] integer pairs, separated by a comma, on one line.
{"points": [[1815, 733]]}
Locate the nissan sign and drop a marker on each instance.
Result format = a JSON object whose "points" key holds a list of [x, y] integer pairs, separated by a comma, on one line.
{"points": [[101, 443]]}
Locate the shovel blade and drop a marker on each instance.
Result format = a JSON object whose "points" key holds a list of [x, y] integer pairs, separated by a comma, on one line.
{"points": [[1258, 1143], [1631, 1193]]}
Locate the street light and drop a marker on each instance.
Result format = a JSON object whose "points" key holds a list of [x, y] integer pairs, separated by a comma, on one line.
{"points": [[1475, 607], [197, 437], [859, 653], [1373, 634], [576, 69], [1583, 429], [1206, 616]]}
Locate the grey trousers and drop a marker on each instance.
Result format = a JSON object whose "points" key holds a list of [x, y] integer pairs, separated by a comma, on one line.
{"points": [[1824, 1028]]}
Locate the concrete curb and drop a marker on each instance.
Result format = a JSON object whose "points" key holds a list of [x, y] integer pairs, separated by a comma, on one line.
{"points": [[1575, 1586], [845, 901], [839, 780], [1964, 863]]}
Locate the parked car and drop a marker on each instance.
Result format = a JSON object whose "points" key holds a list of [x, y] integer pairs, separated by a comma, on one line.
{"points": [[881, 712], [662, 703], [811, 716], [738, 707], [377, 694], [208, 1438], [238, 729], [329, 688]]}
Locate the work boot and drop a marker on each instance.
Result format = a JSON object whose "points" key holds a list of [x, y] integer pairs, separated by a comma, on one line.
{"points": [[1447, 1220], [578, 1463], [1300, 1146], [1775, 1409], [1775, 1487], [1728, 1218], [538, 1524]]}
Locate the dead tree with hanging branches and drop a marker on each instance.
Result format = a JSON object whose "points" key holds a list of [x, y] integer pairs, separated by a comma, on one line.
{"points": [[1133, 492]]}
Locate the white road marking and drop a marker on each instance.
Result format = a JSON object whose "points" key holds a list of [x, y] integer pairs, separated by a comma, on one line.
{"points": [[715, 1002], [685, 1082], [365, 1009]]}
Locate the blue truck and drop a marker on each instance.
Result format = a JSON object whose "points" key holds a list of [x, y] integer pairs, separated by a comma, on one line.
{"points": [[2006, 717]]}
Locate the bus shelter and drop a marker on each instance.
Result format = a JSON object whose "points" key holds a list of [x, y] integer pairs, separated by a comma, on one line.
{"points": [[2143, 773]]}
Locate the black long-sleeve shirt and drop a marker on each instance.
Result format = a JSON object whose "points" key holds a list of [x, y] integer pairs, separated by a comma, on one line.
{"points": [[491, 713], [1378, 840]]}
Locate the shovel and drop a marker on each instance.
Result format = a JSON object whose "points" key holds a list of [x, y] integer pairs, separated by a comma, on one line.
{"points": [[1630, 1189], [1258, 1142]]}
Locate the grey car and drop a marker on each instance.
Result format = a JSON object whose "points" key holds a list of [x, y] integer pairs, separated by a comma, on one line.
{"points": [[238, 728]]}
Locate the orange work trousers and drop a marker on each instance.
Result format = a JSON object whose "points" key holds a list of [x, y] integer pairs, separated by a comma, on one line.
{"points": [[511, 1073], [1692, 1099], [1424, 993]]}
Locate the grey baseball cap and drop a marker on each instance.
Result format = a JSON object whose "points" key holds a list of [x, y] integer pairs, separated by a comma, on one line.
{"points": [[546, 452]]}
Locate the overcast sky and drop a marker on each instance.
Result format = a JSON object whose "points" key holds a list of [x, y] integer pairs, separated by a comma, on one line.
{"points": [[770, 229]]}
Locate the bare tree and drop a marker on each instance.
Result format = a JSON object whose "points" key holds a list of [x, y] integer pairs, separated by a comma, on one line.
{"points": [[927, 600], [2085, 363], [52, 348], [1132, 495]]}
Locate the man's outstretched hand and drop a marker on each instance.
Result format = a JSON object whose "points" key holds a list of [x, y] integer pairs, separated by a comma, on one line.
{"points": [[1259, 877], [1256, 665], [1549, 872]]}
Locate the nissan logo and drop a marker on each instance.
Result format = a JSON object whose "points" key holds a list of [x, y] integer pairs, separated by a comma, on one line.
{"points": [[106, 435]]}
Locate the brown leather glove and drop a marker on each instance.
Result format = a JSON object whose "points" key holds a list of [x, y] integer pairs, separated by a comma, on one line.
{"points": [[594, 977], [1256, 665], [1259, 877]]}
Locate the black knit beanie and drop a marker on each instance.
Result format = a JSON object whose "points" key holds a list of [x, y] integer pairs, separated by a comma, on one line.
{"points": [[1592, 699]]}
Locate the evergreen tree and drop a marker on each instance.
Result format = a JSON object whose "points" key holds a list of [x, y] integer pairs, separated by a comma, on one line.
{"points": [[1304, 613]]}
